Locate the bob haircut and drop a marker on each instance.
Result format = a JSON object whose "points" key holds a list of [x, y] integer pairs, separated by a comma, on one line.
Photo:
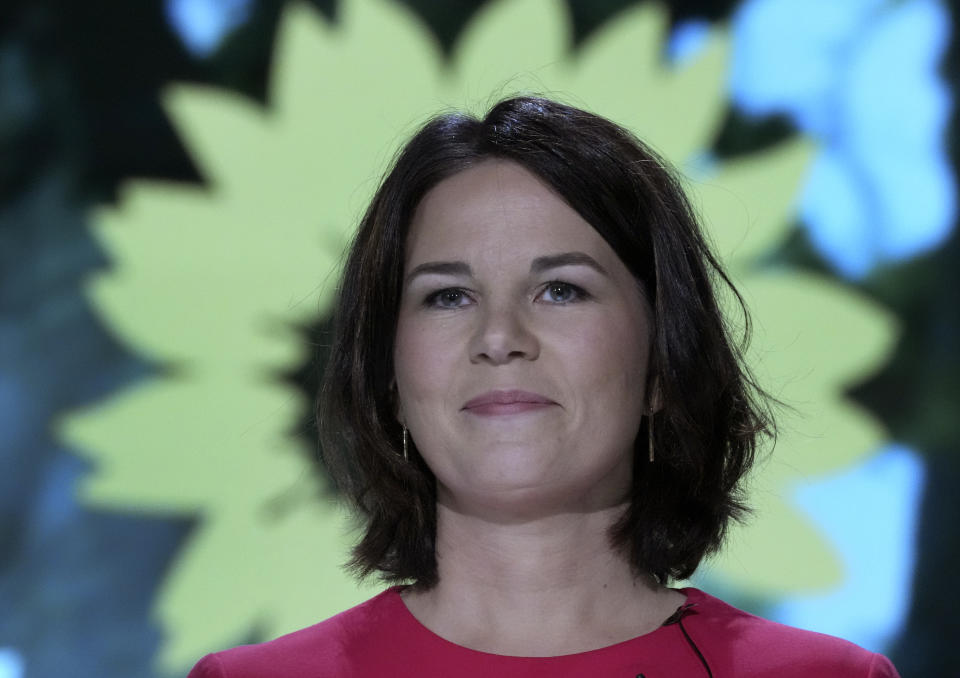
{"points": [[711, 414]]}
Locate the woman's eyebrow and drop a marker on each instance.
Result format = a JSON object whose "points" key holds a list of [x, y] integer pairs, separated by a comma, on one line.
{"points": [[439, 267], [541, 264], [538, 265]]}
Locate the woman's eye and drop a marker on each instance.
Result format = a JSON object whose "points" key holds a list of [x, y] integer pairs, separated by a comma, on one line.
{"points": [[448, 298], [562, 293]]}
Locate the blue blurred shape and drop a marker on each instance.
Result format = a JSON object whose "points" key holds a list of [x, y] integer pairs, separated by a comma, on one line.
{"points": [[787, 52], [12, 407], [869, 513], [11, 663], [862, 77], [687, 39], [837, 216], [895, 117], [202, 24]]}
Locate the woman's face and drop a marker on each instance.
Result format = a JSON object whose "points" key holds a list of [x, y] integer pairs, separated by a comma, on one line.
{"points": [[521, 349]]}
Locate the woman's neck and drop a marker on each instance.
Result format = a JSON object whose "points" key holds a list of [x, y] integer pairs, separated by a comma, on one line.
{"points": [[542, 587]]}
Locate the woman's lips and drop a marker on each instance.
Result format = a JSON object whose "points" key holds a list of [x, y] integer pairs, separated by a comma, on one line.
{"points": [[496, 403]]}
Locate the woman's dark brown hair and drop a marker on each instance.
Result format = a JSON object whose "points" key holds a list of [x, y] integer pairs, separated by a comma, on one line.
{"points": [[711, 414]]}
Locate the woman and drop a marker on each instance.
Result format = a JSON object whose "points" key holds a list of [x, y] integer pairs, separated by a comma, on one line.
{"points": [[533, 402]]}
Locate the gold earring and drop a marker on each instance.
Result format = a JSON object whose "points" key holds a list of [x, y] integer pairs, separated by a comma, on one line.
{"points": [[406, 437], [650, 435]]}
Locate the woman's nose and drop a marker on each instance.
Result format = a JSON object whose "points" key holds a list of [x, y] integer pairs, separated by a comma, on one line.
{"points": [[503, 335]]}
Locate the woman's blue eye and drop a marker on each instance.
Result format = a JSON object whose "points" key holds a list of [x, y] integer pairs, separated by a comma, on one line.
{"points": [[448, 298], [562, 293], [555, 292]]}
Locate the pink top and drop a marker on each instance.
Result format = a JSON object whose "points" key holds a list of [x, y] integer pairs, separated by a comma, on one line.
{"points": [[380, 638]]}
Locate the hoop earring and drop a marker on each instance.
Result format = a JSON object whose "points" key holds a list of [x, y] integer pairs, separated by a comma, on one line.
{"points": [[406, 444], [650, 435]]}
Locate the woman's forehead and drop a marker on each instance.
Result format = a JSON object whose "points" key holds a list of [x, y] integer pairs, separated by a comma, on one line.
{"points": [[497, 204]]}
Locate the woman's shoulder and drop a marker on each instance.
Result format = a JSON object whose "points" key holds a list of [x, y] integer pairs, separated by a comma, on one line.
{"points": [[748, 645], [322, 649]]}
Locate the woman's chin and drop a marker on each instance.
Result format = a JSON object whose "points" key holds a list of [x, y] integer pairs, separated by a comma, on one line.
{"points": [[529, 494]]}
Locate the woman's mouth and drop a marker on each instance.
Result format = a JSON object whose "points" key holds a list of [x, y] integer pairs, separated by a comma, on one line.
{"points": [[505, 402]]}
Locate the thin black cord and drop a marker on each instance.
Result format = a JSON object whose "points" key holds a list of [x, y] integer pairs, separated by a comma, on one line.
{"points": [[696, 649], [677, 618]]}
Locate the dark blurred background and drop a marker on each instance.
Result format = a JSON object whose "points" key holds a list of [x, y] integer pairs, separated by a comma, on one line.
{"points": [[80, 114]]}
